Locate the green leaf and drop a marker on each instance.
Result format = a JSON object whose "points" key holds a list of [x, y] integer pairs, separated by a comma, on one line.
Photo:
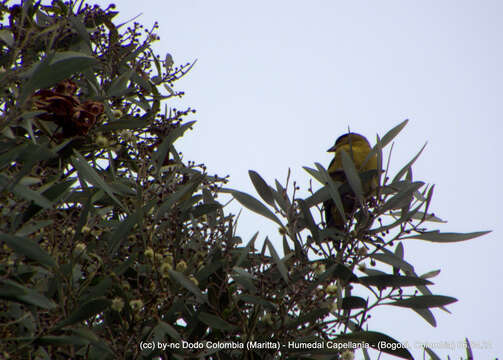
{"points": [[122, 124], [389, 258], [215, 322], [318, 197], [353, 302], [352, 175], [374, 339], [308, 218], [62, 340], [383, 281], [431, 353], [86, 333], [11, 290], [316, 174], [262, 188], [407, 167], [424, 301], [469, 353], [25, 192], [333, 189], [80, 27], [175, 197], [166, 328], [7, 37], [89, 174], [420, 215], [280, 264], [430, 274], [401, 199], [54, 193], [188, 284], [29, 248], [122, 231], [85, 311], [204, 209], [252, 299], [52, 69], [390, 135], [427, 315], [30, 228], [252, 204], [437, 236], [119, 85], [167, 142], [246, 250], [245, 279], [311, 317]]}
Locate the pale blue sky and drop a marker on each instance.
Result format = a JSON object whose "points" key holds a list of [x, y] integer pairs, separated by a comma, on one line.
{"points": [[277, 82]]}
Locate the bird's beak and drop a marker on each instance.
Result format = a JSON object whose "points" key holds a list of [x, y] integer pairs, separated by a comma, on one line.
{"points": [[332, 149]]}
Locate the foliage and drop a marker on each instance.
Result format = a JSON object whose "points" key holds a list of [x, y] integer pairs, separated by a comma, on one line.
{"points": [[110, 241]]}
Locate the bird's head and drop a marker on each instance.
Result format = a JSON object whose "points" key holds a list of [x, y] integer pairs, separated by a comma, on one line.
{"points": [[353, 139]]}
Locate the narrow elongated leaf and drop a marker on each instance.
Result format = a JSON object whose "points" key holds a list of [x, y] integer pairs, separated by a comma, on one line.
{"points": [[281, 197], [315, 174], [309, 220], [215, 322], [383, 281], [25, 192], [62, 340], [246, 250], [333, 189], [375, 339], [431, 353], [280, 264], [54, 68], [353, 302], [420, 215], [401, 199], [262, 188], [257, 300], [7, 37], [90, 175], [183, 192], [29, 248], [391, 259], [166, 328], [245, 279], [424, 301], [469, 353], [85, 311], [88, 334], [123, 230], [80, 27], [407, 166], [427, 315], [31, 227], [188, 284], [390, 135], [11, 290], [312, 317], [122, 124], [318, 197], [54, 193], [167, 142], [437, 236], [352, 175], [119, 84], [253, 204], [430, 274]]}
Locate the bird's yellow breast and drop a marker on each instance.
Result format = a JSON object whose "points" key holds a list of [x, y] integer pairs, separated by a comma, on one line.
{"points": [[358, 151]]}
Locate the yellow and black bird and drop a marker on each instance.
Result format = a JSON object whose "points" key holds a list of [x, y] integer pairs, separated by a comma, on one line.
{"points": [[357, 147]]}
